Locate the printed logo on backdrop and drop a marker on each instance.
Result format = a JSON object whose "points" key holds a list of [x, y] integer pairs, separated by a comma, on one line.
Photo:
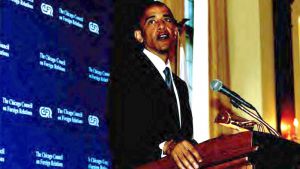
{"points": [[93, 27], [93, 120], [70, 116], [4, 49], [47, 159], [25, 3], [52, 62], [98, 75], [45, 112], [70, 18], [47, 9], [2, 155], [96, 163], [14, 106]]}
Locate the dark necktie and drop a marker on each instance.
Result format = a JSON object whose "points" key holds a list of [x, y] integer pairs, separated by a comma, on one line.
{"points": [[168, 79]]}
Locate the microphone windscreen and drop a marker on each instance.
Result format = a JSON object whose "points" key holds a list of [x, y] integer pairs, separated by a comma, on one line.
{"points": [[216, 85]]}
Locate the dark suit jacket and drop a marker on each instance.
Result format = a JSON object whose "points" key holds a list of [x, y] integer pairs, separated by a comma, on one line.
{"points": [[143, 113]]}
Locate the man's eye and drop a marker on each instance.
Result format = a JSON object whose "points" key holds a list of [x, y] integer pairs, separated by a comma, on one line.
{"points": [[169, 19], [151, 22]]}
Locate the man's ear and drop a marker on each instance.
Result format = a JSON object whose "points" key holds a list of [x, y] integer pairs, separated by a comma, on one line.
{"points": [[138, 36], [176, 32]]}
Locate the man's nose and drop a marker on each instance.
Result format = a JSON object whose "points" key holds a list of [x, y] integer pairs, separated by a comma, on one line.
{"points": [[161, 24]]}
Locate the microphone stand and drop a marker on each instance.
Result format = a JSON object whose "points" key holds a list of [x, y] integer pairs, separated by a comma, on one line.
{"points": [[255, 116]]}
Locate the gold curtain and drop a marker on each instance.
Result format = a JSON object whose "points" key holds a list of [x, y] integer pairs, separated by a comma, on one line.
{"points": [[177, 7], [218, 62]]}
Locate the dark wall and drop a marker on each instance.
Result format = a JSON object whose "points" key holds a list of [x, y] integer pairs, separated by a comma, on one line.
{"points": [[126, 12], [283, 61]]}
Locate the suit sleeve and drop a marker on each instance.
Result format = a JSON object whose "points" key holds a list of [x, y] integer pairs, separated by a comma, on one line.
{"points": [[128, 117]]}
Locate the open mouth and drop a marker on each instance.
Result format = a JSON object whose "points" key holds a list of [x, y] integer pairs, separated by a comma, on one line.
{"points": [[163, 36]]}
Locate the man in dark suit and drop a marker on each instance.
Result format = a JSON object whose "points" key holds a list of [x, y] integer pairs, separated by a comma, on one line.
{"points": [[149, 113]]}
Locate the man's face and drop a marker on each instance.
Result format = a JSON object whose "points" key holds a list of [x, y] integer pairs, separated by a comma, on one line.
{"points": [[158, 30]]}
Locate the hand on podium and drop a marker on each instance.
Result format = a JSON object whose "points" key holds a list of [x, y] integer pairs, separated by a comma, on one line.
{"points": [[183, 153]]}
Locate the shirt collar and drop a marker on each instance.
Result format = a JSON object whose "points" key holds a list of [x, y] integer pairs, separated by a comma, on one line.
{"points": [[159, 64]]}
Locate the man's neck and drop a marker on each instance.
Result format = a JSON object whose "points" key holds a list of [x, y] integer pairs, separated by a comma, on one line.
{"points": [[162, 56]]}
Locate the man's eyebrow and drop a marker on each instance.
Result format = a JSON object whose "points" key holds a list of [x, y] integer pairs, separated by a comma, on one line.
{"points": [[168, 15], [150, 17]]}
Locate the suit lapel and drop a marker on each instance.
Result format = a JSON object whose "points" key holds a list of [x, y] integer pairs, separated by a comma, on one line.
{"points": [[182, 99], [150, 71], [157, 86]]}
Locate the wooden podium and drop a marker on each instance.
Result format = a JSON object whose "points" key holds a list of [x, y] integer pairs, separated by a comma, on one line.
{"points": [[243, 150]]}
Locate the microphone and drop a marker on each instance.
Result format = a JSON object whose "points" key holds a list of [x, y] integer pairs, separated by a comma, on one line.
{"points": [[238, 101], [217, 85]]}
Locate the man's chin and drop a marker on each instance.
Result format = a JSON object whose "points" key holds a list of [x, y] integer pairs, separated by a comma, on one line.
{"points": [[164, 48], [164, 51]]}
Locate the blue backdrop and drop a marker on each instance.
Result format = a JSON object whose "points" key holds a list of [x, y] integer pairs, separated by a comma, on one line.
{"points": [[54, 62]]}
